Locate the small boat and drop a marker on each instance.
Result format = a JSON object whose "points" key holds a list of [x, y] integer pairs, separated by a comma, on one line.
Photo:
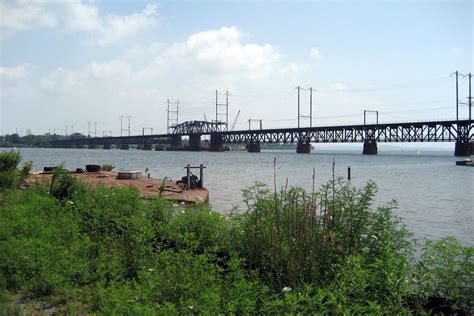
{"points": [[465, 162]]}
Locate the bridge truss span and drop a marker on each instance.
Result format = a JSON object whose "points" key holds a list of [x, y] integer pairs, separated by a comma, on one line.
{"points": [[437, 131]]}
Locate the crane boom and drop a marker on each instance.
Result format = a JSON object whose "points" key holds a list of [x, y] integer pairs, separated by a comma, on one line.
{"points": [[235, 121]]}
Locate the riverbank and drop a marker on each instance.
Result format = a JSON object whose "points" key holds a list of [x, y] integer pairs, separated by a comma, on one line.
{"points": [[434, 195], [68, 248]]}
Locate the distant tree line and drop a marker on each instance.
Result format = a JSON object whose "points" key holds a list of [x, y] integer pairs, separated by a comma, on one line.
{"points": [[30, 140]]}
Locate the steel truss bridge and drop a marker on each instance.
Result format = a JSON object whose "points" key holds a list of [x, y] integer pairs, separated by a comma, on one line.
{"points": [[461, 132]]}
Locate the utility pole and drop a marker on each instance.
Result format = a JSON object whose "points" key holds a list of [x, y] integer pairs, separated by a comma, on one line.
{"points": [[298, 106], [457, 98], [255, 120], [168, 116], [177, 112], [147, 128], [470, 97], [310, 107], [227, 110], [376, 116], [121, 124], [95, 129], [89, 128]]}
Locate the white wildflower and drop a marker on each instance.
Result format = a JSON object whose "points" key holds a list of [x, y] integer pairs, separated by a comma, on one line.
{"points": [[151, 269], [375, 237], [182, 211], [190, 306], [175, 205], [286, 289], [71, 202], [365, 250]]}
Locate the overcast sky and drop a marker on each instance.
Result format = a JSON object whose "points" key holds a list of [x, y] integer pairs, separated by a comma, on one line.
{"points": [[64, 63]]}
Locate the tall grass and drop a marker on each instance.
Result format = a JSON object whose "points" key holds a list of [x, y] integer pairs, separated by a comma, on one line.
{"points": [[293, 237]]}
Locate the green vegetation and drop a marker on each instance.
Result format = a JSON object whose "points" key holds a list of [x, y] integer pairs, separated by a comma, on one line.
{"points": [[68, 248], [30, 140], [107, 167], [10, 176]]}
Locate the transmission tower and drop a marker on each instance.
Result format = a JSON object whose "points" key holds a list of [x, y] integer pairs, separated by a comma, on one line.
{"points": [[173, 118], [219, 107]]}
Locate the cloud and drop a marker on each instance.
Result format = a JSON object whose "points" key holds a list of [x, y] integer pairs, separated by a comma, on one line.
{"points": [[222, 51], [216, 53], [74, 16], [314, 53], [14, 72], [212, 56]]}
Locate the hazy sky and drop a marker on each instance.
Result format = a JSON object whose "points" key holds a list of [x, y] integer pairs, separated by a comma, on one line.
{"points": [[64, 63]]}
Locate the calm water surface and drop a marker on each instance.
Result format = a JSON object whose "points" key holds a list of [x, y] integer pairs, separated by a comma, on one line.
{"points": [[435, 196]]}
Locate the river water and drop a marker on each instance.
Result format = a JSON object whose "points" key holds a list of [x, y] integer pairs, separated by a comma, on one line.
{"points": [[435, 196]]}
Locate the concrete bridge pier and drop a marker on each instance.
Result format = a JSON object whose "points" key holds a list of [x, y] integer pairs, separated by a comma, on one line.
{"points": [[107, 146], [370, 148], [253, 147], [463, 149], [124, 147], [303, 147], [146, 146], [176, 141], [194, 142], [216, 143]]}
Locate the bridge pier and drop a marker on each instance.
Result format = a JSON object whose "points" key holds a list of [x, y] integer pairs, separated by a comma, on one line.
{"points": [[463, 149], [92, 146], [124, 147], [194, 142], [107, 146], [216, 143], [176, 141], [370, 148], [146, 146], [253, 147], [303, 147]]}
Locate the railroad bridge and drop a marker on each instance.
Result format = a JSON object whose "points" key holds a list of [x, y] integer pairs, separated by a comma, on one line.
{"points": [[460, 132]]}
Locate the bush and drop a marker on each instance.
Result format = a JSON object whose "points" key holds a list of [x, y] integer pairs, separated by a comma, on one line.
{"points": [[10, 176], [62, 183], [446, 270], [293, 237], [107, 167]]}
